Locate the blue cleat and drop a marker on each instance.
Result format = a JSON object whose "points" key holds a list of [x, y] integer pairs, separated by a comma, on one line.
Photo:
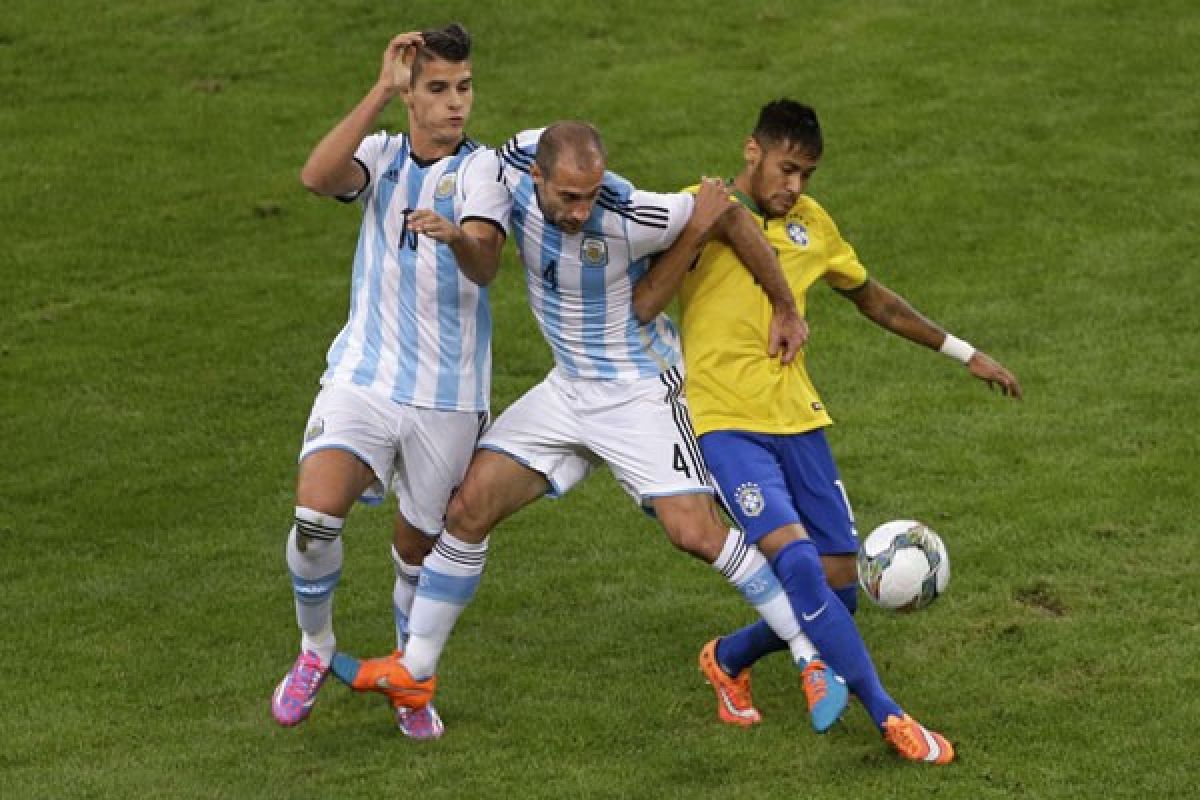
{"points": [[345, 668], [826, 693]]}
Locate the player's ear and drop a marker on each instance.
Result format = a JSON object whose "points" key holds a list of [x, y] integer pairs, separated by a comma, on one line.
{"points": [[752, 152], [536, 173]]}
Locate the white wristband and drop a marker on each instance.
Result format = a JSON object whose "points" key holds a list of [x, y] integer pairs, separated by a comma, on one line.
{"points": [[957, 349]]}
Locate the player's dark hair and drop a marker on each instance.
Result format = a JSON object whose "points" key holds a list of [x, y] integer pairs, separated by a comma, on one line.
{"points": [[786, 121], [451, 43], [578, 139]]}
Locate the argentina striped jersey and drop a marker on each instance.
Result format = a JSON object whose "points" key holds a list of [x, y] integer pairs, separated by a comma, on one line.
{"points": [[419, 330], [580, 285]]}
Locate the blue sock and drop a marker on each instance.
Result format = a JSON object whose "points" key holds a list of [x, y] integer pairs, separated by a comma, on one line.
{"points": [[830, 627], [742, 648], [849, 596]]}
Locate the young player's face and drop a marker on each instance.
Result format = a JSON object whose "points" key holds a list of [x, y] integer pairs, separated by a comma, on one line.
{"points": [[440, 101], [567, 197], [778, 175]]}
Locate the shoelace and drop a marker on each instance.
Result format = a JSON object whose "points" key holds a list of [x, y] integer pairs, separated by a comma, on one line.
{"points": [[814, 682], [905, 738], [420, 721], [740, 689], [308, 675]]}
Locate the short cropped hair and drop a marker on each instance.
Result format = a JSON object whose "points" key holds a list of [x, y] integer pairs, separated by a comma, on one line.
{"points": [[785, 121], [570, 137], [451, 43]]}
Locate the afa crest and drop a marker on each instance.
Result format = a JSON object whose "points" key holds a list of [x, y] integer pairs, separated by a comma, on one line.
{"points": [[750, 499], [593, 251], [445, 185], [797, 233], [316, 427]]}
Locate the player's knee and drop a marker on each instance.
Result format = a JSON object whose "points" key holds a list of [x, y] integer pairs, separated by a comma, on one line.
{"points": [[414, 551], [697, 537], [467, 517], [410, 544]]}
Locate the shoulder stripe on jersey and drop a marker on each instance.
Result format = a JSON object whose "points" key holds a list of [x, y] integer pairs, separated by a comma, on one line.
{"points": [[647, 214], [615, 197], [515, 156], [648, 219]]}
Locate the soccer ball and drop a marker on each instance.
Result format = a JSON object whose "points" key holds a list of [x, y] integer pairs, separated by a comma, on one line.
{"points": [[903, 565]]}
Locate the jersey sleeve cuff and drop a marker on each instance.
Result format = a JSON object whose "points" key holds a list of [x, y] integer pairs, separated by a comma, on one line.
{"points": [[488, 220], [351, 197]]}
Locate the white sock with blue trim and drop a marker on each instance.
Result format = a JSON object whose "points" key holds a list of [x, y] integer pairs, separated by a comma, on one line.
{"points": [[403, 593], [449, 578], [745, 567], [314, 559]]}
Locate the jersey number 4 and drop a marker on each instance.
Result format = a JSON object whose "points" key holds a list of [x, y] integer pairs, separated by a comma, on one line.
{"points": [[680, 463], [550, 275]]}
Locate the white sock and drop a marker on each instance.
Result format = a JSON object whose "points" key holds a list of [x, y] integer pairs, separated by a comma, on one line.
{"points": [[744, 566], [315, 571], [403, 592], [449, 578]]}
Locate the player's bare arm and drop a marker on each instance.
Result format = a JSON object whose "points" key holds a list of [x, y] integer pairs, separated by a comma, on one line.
{"points": [[788, 331], [476, 244], [892, 312], [331, 169], [654, 291]]}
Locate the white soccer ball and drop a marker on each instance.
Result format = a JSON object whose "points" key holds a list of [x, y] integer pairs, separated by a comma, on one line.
{"points": [[903, 565]]}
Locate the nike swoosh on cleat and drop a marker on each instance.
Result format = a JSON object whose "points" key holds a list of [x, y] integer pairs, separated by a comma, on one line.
{"points": [[734, 710], [815, 614]]}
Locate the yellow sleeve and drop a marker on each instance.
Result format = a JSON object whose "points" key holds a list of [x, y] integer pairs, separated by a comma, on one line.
{"points": [[843, 269]]}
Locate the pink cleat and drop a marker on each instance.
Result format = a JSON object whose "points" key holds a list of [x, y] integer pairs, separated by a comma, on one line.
{"points": [[296, 693]]}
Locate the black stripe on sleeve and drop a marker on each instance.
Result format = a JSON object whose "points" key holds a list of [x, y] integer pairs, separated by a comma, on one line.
{"points": [[489, 221], [350, 198]]}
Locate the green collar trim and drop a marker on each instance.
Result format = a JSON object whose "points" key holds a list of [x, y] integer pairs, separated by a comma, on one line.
{"points": [[747, 202]]}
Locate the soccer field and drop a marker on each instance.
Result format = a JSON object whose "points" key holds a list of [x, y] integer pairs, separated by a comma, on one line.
{"points": [[1024, 172]]}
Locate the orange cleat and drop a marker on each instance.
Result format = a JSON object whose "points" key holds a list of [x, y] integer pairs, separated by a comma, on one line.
{"points": [[734, 705], [386, 675], [915, 742]]}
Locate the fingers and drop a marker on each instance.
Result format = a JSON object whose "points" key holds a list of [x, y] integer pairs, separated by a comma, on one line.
{"points": [[790, 348], [405, 40], [774, 339], [431, 224]]}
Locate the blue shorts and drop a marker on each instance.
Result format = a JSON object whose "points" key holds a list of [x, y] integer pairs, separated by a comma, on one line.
{"points": [[767, 481]]}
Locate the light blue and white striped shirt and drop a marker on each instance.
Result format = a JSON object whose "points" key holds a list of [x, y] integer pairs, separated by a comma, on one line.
{"points": [[581, 285], [419, 331]]}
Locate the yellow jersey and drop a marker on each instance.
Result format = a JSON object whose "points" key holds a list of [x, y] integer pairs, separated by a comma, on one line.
{"points": [[732, 384]]}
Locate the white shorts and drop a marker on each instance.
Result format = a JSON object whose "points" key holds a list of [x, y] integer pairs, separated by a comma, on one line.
{"points": [[564, 428], [421, 454]]}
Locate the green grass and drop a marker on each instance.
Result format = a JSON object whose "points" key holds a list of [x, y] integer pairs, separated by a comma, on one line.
{"points": [[1024, 172]]}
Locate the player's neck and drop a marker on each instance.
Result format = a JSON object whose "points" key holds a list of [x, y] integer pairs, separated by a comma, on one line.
{"points": [[425, 148], [741, 186]]}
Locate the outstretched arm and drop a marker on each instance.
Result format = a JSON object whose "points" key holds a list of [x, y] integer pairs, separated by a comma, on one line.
{"points": [[892, 312], [331, 169]]}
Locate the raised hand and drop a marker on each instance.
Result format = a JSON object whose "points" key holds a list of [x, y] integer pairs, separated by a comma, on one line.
{"points": [[395, 74], [711, 204]]}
